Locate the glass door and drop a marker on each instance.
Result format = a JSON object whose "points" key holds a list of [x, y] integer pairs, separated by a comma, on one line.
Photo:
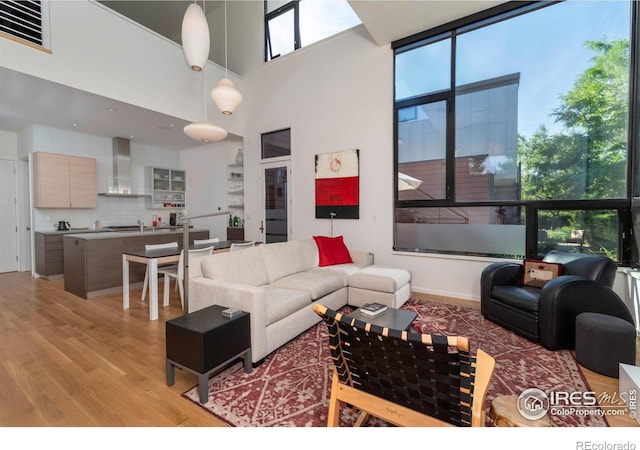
{"points": [[276, 224]]}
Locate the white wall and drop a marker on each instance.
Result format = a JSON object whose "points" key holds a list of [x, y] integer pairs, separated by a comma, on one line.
{"points": [[338, 95], [207, 183], [8, 145], [96, 50]]}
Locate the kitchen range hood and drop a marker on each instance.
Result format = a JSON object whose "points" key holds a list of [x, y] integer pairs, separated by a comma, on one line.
{"points": [[120, 183]]}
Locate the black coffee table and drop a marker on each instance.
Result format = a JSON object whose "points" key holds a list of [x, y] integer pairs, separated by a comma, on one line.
{"points": [[393, 318], [205, 341]]}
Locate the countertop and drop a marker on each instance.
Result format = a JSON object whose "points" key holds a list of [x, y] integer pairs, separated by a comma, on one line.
{"points": [[106, 230], [119, 234]]}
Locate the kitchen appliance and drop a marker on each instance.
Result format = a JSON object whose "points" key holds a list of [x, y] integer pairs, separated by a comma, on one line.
{"points": [[173, 219], [120, 180], [63, 226]]}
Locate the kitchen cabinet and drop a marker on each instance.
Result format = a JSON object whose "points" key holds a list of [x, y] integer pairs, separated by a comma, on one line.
{"points": [[235, 234], [63, 181], [167, 188], [93, 261], [49, 256]]}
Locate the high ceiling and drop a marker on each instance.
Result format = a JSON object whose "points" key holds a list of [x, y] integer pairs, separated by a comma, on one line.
{"points": [[25, 99]]}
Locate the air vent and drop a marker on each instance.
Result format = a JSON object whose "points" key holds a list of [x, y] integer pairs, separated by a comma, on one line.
{"points": [[24, 20]]}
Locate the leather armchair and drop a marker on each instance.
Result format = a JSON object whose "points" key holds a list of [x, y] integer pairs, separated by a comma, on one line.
{"points": [[548, 314]]}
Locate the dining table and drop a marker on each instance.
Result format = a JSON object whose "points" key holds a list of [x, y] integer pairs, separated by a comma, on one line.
{"points": [[154, 258]]}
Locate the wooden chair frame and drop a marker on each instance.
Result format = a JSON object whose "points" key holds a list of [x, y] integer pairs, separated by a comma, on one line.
{"points": [[469, 376]]}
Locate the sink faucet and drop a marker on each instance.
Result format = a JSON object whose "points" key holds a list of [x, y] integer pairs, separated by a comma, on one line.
{"points": [[141, 223]]}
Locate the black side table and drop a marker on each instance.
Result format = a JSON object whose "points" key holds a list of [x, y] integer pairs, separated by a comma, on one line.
{"points": [[205, 341]]}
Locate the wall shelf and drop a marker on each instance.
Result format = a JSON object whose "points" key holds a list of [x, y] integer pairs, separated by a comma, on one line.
{"points": [[167, 187], [235, 188]]}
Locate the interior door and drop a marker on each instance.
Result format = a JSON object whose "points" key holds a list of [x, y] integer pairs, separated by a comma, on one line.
{"points": [[276, 219], [8, 224]]}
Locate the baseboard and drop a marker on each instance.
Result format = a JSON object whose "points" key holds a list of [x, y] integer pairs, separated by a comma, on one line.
{"points": [[444, 294], [445, 299]]}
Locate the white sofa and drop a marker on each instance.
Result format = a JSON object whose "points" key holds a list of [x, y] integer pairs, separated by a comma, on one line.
{"points": [[278, 283]]}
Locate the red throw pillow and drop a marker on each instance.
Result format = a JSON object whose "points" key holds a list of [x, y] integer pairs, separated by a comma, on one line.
{"points": [[332, 251], [538, 273]]}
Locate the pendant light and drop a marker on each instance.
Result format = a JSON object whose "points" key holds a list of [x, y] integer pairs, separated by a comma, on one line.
{"points": [[205, 132], [195, 37], [225, 95]]}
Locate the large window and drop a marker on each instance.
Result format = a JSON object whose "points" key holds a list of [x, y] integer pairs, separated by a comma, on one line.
{"points": [[294, 24], [513, 134]]}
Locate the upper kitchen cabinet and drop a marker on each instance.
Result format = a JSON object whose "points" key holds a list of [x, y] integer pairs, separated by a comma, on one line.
{"points": [[167, 188], [63, 181]]}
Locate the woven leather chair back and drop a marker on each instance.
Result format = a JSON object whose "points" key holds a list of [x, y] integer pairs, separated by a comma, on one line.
{"points": [[433, 375]]}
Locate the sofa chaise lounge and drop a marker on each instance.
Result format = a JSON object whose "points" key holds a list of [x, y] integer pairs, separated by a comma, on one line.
{"points": [[279, 283]]}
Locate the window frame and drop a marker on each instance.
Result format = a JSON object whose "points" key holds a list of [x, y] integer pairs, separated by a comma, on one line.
{"points": [[531, 207], [275, 133], [268, 16]]}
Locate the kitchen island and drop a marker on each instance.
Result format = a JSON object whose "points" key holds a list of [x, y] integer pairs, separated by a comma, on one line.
{"points": [[93, 261]]}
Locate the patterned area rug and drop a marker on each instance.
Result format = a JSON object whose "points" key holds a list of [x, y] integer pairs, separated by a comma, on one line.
{"points": [[292, 386]]}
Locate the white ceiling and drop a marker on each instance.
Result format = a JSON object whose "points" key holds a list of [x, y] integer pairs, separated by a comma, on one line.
{"points": [[390, 20], [28, 100]]}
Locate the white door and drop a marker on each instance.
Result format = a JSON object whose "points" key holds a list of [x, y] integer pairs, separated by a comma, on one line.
{"points": [[8, 222], [275, 224]]}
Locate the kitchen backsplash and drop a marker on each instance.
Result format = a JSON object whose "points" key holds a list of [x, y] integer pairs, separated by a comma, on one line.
{"points": [[110, 211]]}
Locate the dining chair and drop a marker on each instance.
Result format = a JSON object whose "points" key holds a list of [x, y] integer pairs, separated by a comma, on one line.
{"points": [[177, 272], [148, 247], [205, 241], [237, 246]]}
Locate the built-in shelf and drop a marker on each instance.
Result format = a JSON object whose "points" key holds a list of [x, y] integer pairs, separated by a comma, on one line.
{"points": [[235, 188]]}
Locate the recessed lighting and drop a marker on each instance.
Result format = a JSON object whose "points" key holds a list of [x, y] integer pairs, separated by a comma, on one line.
{"points": [[131, 137], [111, 109], [171, 125], [75, 124]]}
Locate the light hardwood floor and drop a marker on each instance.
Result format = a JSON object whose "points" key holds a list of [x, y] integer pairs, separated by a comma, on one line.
{"points": [[65, 361]]}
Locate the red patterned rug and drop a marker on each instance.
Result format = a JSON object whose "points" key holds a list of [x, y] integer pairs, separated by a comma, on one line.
{"points": [[292, 386]]}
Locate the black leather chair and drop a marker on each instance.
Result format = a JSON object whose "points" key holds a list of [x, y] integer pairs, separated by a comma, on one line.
{"points": [[548, 314]]}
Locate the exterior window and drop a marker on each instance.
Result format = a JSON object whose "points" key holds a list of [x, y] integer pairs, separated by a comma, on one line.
{"points": [[422, 151], [276, 144], [412, 83], [462, 230], [282, 30], [583, 231], [295, 24], [514, 120]]}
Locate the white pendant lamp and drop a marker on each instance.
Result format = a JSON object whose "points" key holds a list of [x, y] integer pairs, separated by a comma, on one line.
{"points": [[225, 95], [205, 132], [195, 37]]}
